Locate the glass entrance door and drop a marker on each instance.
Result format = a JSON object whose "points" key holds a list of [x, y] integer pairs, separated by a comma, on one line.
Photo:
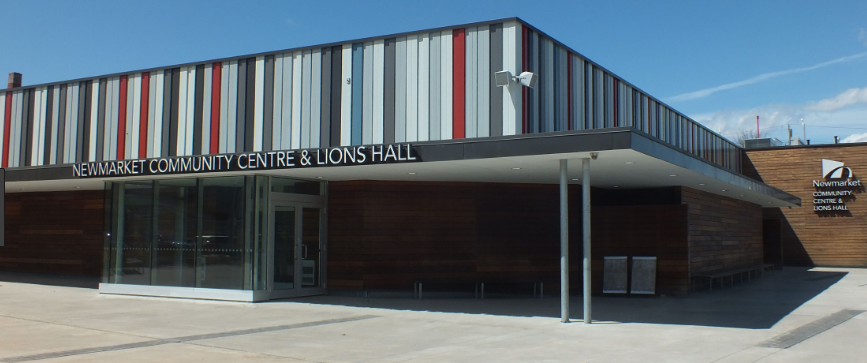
{"points": [[296, 236]]}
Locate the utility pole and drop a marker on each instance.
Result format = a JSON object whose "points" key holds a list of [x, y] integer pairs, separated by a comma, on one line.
{"points": [[805, 129]]}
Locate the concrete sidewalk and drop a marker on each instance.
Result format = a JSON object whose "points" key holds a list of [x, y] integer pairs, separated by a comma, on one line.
{"points": [[795, 315]]}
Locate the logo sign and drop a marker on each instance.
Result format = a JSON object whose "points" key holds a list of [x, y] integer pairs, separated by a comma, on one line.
{"points": [[261, 160], [837, 187]]}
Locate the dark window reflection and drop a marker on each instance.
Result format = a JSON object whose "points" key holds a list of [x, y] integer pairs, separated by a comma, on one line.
{"points": [[221, 254], [132, 253], [175, 249]]}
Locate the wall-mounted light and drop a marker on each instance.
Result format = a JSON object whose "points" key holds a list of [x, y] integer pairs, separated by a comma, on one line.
{"points": [[527, 79]]}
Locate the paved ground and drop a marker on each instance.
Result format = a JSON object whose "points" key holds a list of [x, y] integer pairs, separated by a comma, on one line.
{"points": [[793, 315]]}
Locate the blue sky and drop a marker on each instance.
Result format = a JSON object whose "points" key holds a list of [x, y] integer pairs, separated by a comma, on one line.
{"points": [[721, 63]]}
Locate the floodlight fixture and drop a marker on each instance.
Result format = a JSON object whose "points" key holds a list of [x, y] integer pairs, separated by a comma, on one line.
{"points": [[527, 79]]}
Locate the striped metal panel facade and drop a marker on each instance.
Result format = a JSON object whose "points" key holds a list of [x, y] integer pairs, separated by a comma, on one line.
{"points": [[429, 85]]}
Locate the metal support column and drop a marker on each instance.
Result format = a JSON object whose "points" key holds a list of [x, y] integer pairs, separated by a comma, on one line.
{"points": [[585, 213], [564, 243]]}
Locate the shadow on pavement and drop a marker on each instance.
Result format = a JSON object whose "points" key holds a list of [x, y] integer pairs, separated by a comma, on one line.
{"points": [[755, 305], [87, 282]]}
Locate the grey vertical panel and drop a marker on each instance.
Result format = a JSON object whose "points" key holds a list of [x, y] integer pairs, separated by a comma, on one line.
{"points": [[589, 122], [174, 112], [400, 91], [562, 73], [533, 93], [249, 120], [336, 92], [83, 137], [49, 114], [496, 35], [198, 112], [242, 106], [306, 79], [435, 79], [27, 129], [61, 126], [166, 121], [268, 99], [546, 105], [99, 143], [325, 99], [357, 91], [598, 98], [555, 87], [577, 93], [388, 91]]}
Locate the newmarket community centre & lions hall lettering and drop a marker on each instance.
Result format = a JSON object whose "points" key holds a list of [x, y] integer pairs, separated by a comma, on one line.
{"points": [[260, 160], [838, 187]]}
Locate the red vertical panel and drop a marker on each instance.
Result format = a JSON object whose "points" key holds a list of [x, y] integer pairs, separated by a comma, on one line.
{"points": [[121, 119], [216, 88], [525, 67], [568, 91], [6, 126], [459, 84], [143, 124]]}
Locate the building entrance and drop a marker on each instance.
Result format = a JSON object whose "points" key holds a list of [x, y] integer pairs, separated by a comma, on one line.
{"points": [[296, 241]]}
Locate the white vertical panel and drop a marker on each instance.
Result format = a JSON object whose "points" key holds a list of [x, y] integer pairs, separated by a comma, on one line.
{"points": [[412, 88], [38, 122], [182, 111], [346, 97], [277, 114], [306, 79], [115, 117], [159, 92], [109, 123], [152, 101], [446, 87], [94, 119], [400, 90], [316, 98], [232, 102], [224, 106], [423, 87], [206, 109], [470, 82], [483, 87], [55, 125], [191, 111], [131, 130], [136, 117], [378, 89], [259, 107], [512, 100], [297, 89], [367, 95], [72, 121], [288, 78], [14, 133]]}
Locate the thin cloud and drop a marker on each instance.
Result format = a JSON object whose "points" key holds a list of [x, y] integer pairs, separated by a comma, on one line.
{"points": [[761, 78], [855, 138], [846, 98], [862, 36]]}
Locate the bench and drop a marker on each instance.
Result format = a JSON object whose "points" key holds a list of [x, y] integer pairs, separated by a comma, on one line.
{"points": [[730, 273], [479, 285]]}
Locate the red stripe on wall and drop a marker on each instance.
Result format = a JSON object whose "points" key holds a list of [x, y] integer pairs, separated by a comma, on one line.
{"points": [[458, 82], [216, 87], [525, 96], [121, 118], [143, 128], [6, 125], [568, 91]]}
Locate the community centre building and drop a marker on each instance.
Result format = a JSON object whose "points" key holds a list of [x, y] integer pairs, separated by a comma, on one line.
{"points": [[450, 156]]}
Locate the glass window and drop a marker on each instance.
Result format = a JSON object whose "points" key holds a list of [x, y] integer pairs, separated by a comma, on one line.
{"points": [[221, 249], [284, 185], [177, 222], [131, 247]]}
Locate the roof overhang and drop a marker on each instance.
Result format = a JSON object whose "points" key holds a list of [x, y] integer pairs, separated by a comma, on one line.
{"points": [[627, 159]]}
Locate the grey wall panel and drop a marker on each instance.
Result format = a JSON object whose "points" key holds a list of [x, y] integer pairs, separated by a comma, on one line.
{"points": [[589, 122], [174, 112], [400, 91], [83, 138], [306, 79], [27, 115], [562, 75], [250, 108], [389, 91], [99, 143], [471, 83], [336, 91], [435, 94], [268, 104], [242, 106], [483, 82], [496, 65], [546, 82], [533, 93], [198, 111], [357, 91], [598, 98], [315, 99], [50, 126], [325, 99], [61, 124], [166, 117]]}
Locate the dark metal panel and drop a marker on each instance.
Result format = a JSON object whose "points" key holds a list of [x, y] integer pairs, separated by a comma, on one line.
{"points": [[199, 111], [167, 112], [496, 100], [336, 92], [388, 91], [268, 99], [27, 118], [100, 119], [242, 105], [325, 99], [83, 139], [46, 138], [174, 113], [249, 120], [61, 124]]}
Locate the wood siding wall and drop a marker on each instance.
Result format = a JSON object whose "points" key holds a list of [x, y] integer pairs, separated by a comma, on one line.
{"points": [[724, 232], [56, 232], [811, 238]]}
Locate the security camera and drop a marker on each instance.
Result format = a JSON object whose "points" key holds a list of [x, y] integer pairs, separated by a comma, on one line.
{"points": [[594, 156], [528, 79], [502, 78]]}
